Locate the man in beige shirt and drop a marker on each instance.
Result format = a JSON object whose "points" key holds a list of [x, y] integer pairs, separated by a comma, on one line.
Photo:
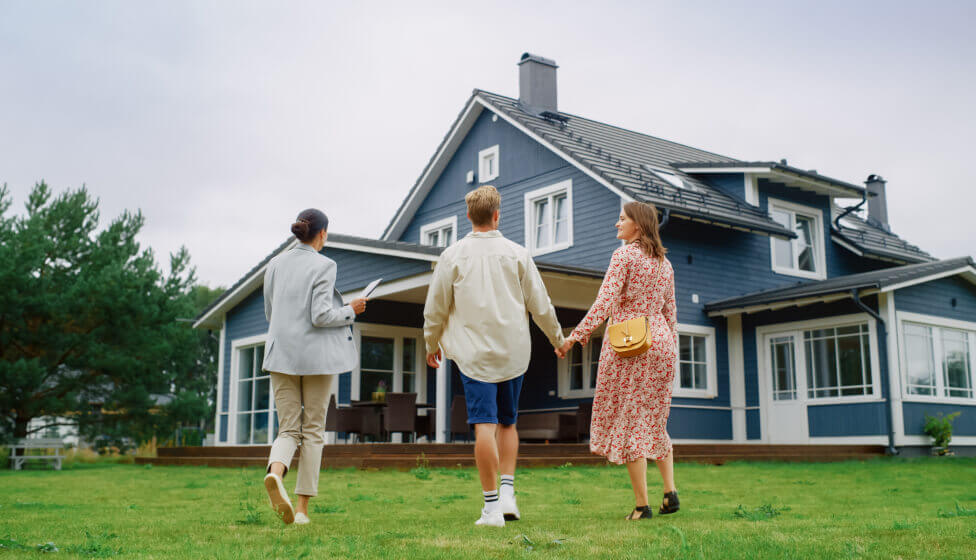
{"points": [[483, 288]]}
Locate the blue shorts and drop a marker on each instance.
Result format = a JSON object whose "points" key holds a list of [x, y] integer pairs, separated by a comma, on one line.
{"points": [[492, 403]]}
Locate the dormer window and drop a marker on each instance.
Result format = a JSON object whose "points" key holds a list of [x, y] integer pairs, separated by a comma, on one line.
{"points": [[440, 233], [804, 255], [488, 164]]}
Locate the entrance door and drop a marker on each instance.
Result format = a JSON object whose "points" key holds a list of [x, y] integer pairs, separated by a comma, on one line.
{"points": [[785, 387]]}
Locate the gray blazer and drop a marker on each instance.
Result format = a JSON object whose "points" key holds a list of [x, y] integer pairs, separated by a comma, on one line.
{"points": [[310, 331]]}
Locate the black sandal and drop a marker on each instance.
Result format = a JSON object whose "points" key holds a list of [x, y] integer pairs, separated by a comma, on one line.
{"points": [[670, 503], [645, 513]]}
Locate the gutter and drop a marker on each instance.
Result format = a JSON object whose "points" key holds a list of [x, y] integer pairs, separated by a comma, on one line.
{"points": [[885, 386]]}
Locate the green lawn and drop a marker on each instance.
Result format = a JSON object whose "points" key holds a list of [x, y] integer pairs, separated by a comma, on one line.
{"points": [[883, 508]]}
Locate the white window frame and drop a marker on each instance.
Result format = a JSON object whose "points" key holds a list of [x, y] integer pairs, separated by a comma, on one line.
{"points": [[549, 192], [439, 226], [936, 323], [397, 334], [562, 371], [763, 333], [484, 173], [711, 389], [819, 246], [236, 346]]}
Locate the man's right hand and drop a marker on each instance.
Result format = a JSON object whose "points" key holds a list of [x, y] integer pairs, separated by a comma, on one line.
{"points": [[358, 305]]}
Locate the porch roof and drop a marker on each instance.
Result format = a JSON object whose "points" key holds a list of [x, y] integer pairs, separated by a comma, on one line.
{"points": [[866, 283]]}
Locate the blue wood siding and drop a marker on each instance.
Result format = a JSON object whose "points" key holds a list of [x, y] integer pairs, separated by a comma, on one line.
{"points": [[525, 165], [732, 184], [700, 423], [753, 424], [914, 414], [355, 269], [851, 419], [935, 298]]}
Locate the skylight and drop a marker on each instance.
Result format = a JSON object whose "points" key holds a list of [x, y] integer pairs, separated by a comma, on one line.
{"points": [[670, 177]]}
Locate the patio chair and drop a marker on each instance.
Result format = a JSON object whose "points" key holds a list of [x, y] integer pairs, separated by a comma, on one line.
{"points": [[583, 415], [369, 423], [459, 418], [348, 421], [400, 414], [426, 426]]}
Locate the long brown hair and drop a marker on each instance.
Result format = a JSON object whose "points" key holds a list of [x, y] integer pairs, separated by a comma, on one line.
{"points": [[644, 214]]}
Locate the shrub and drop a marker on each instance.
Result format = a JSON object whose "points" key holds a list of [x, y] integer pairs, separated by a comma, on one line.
{"points": [[940, 429]]}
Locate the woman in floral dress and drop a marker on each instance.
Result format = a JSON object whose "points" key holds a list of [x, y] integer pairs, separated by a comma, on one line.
{"points": [[633, 395]]}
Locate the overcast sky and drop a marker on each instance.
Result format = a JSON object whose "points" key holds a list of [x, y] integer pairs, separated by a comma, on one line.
{"points": [[221, 120]]}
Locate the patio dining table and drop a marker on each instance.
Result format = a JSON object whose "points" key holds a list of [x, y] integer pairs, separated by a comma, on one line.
{"points": [[378, 407]]}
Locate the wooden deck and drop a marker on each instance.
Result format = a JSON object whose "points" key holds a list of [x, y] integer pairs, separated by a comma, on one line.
{"points": [[409, 455]]}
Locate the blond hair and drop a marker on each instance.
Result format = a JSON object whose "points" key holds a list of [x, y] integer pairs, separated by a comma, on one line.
{"points": [[482, 204], [644, 214]]}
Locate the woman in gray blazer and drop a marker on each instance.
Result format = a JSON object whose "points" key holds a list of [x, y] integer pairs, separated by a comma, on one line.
{"points": [[309, 342]]}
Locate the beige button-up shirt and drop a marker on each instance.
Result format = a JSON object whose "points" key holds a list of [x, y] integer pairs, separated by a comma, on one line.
{"points": [[477, 307]]}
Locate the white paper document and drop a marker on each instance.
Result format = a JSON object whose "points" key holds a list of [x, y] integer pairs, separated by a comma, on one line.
{"points": [[372, 286]]}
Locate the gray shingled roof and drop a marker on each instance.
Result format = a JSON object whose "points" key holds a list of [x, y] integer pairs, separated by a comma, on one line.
{"points": [[877, 242], [618, 155], [875, 279]]}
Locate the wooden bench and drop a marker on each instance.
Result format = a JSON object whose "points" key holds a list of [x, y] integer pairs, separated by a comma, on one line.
{"points": [[31, 444]]}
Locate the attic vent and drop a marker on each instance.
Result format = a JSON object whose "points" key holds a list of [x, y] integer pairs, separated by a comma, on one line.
{"points": [[670, 177]]}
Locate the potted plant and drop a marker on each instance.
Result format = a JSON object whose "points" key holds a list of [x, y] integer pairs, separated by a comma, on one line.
{"points": [[379, 395], [939, 427]]}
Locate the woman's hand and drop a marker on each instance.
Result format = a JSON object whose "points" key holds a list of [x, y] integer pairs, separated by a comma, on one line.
{"points": [[564, 349], [358, 305]]}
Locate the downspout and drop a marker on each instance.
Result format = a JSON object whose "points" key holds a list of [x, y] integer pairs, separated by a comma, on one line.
{"points": [[848, 210], [664, 219], [885, 386]]}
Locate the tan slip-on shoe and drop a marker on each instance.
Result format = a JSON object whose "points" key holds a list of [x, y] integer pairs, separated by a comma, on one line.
{"points": [[279, 498]]}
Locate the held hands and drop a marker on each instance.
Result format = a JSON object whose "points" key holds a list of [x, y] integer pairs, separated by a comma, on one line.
{"points": [[358, 305], [434, 360], [564, 349]]}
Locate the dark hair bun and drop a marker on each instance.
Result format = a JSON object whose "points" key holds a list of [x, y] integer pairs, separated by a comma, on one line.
{"points": [[300, 229]]}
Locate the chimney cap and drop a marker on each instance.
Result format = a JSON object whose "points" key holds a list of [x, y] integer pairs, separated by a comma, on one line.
{"points": [[873, 178], [526, 57]]}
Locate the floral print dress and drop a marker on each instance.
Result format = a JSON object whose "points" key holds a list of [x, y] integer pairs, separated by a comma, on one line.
{"points": [[633, 395]]}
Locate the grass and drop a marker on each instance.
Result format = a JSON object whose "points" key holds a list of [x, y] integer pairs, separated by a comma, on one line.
{"points": [[884, 508]]}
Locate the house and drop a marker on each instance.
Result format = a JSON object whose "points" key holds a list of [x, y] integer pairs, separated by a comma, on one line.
{"points": [[800, 321]]}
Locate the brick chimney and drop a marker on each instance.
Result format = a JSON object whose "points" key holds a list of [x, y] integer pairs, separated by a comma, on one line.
{"points": [[537, 84]]}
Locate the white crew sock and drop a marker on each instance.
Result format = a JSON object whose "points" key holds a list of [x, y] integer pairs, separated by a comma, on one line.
{"points": [[507, 488], [491, 500]]}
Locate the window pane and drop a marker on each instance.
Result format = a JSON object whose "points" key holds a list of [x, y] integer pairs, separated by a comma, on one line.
{"points": [[409, 382], [258, 359], [261, 427], [955, 363], [447, 236], [701, 377], [698, 343], [687, 376], [822, 368], [377, 353], [804, 243], [246, 367], [244, 396], [562, 219], [596, 343], [784, 252], [410, 355], [542, 222], [433, 238], [262, 394], [575, 377], [684, 348], [222, 428], [243, 428], [851, 372], [921, 361], [784, 369]]}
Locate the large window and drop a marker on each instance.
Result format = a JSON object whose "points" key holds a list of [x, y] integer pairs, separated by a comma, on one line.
{"points": [[804, 255], [823, 360], [838, 362], [440, 233], [254, 410], [578, 372], [391, 358], [938, 360], [488, 164], [549, 218]]}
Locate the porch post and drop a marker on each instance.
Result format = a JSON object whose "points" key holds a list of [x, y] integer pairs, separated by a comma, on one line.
{"points": [[737, 377], [441, 416]]}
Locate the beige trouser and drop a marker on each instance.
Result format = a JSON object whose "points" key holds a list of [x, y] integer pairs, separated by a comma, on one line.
{"points": [[297, 427]]}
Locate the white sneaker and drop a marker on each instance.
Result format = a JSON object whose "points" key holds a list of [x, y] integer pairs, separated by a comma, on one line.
{"points": [[301, 519], [492, 519], [279, 498], [508, 508]]}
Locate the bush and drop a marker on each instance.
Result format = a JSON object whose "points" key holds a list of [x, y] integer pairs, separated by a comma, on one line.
{"points": [[940, 429]]}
